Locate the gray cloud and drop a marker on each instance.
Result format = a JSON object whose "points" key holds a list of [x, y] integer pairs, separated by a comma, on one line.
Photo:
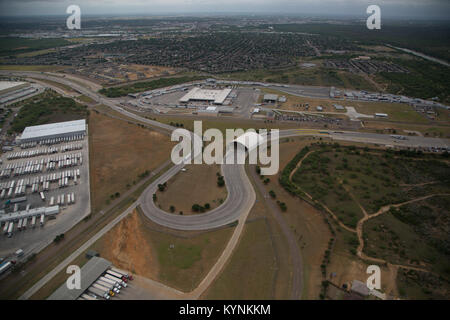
{"points": [[418, 8]]}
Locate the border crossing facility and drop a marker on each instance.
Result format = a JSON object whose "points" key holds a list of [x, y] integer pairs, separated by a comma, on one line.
{"points": [[99, 280], [206, 95], [54, 130]]}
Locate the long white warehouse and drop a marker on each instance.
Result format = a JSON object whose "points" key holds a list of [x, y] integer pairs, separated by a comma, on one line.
{"points": [[53, 130], [204, 95]]}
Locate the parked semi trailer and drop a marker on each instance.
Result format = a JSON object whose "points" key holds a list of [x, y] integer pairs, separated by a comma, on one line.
{"points": [[113, 282], [87, 297], [119, 280], [99, 293], [123, 273], [42, 220], [98, 286], [5, 266], [117, 275], [108, 285]]}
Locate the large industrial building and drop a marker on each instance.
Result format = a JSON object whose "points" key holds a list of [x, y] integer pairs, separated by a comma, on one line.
{"points": [[54, 130], [90, 272], [206, 95], [10, 86]]}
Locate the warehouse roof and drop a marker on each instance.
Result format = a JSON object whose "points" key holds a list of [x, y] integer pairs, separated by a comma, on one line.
{"points": [[4, 85], [270, 97], [218, 96], [93, 269], [46, 130]]}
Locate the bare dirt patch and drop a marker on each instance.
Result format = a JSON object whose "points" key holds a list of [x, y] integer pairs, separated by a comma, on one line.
{"points": [[120, 153]]}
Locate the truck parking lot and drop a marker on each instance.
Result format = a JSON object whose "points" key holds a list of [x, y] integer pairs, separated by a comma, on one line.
{"points": [[44, 191]]}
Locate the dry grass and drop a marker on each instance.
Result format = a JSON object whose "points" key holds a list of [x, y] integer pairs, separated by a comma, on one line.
{"points": [[198, 185], [178, 259], [120, 152]]}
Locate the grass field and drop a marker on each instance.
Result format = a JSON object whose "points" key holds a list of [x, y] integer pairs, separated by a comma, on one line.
{"points": [[251, 271], [177, 259], [346, 178], [48, 107], [32, 68], [197, 185], [121, 153], [15, 46]]}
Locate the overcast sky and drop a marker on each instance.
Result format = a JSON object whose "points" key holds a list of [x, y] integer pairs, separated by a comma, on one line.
{"points": [[389, 8]]}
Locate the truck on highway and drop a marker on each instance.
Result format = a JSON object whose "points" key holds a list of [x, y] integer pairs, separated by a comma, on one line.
{"points": [[117, 275], [123, 273], [99, 293], [5, 266], [120, 281], [105, 289]]}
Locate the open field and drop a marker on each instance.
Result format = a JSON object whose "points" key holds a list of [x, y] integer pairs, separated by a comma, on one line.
{"points": [[305, 221], [250, 273], [121, 91], [114, 165], [48, 107], [15, 46], [315, 76], [349, 180], [177, 259], [42, 68], [197, 185]]}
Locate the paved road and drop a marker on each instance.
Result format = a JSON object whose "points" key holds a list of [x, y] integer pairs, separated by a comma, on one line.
{"points": [[240, 192]]}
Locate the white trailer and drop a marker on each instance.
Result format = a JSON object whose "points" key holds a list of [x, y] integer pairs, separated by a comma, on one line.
{"points": [[5, 228], [33, 221], [42, 196], [105, 289], [120, 281], [24, 223], [108, 285], [87, 297], [42, 220], [113, 282], [19, 226], [99, 293], [10, 229]]}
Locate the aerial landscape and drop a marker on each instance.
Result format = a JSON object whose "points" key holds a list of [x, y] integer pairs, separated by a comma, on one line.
{"points": [[187, 151]]}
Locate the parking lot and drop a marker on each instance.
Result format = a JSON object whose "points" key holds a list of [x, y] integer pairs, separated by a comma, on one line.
{"points": [[49, 179]]}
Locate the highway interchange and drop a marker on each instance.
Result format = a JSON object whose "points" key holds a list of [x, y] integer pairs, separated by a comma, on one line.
{"points": [[241, 195]]}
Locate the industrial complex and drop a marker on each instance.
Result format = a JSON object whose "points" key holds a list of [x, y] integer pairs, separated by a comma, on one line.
{"points": [[204, 95], [53, 131]]}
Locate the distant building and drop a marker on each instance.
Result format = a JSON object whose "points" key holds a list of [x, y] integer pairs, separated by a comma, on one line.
{"points": [[205, 95], [270, 98], [53, 130], [360, 288], [319, 108], [381, 115], [282, 99], [338, 107]]}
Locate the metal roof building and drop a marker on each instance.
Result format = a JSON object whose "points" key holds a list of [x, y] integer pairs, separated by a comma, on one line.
{"points": [[53, 130], [90, 272], [198, 94]]}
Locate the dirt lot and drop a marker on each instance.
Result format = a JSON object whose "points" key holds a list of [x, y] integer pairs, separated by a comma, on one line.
{"points": [[177, 259], [197, 185], [120, 152]]}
